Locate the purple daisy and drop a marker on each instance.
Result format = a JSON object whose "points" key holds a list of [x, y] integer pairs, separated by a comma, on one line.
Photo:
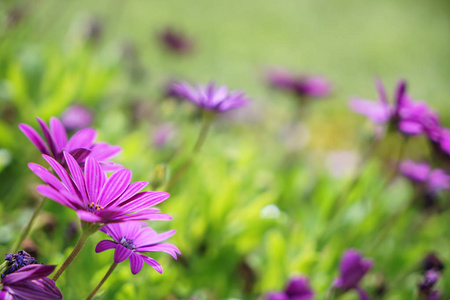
{"points": [[408, 116], [298, 288], [131, 240], [175, 41], [210, 97], [96, 198], [299, 84], [434, 180], [29, 282], [77, 117], [352, 269], [80, 145]]}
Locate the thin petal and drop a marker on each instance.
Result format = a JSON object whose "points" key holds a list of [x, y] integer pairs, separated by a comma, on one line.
{"points": [[82, 139], [95, 179], [131, 190], [103, 151], [59, 133], [80, 154], [77, 176], [117, 183], [54, 195], [61, 172], [48, 137], [105, 245], [162, 247], [144, 200], [155, 265], [29, 272], [88, 217], [34, 137], [46, 176], [121, 253], [136, 263], [147, 238]]}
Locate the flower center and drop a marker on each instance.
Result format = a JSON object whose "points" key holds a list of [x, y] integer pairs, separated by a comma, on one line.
{"points": [[94, 207], [127, 243]]}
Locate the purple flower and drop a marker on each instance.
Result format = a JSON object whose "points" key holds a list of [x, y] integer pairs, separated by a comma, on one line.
{"points": [[80, 145], [432, 262], [96, 198], [17, 261], [77, 117], [298, 288], [352, 269], [299, 84], [210, 97], [131, 240], [434, 180], [427, 284], [409, 117], [30, 282], [175, 41]]}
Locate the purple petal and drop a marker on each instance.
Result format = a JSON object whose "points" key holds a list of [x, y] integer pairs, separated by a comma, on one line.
{"points": [[95, 179], [77, 176], [46, 176], [103, 151], [49, 138], [82, 139], [121, 253], [34, 137], [117, 183], [61, 172], [153, 263], [40, 289], [59, 133], [375, 111], [131, 190], [362, 294], [136, 263], [80, 154], [104, 245], [88, 217], [54, 195], [145, 215], [381, 92], [144, 200], [150, 237], [29, 272], [162, 247]]}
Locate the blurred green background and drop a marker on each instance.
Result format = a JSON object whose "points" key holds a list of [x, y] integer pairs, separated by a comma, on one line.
{"points": [[254, 207]]}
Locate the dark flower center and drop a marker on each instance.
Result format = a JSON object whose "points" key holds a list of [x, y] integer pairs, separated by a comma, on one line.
{"points": [[94, 207], [17, 261], [127, 243]]}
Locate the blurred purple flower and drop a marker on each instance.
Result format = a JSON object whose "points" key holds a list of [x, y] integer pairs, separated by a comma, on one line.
{"points": [[352, 269], [30, 282], [299, 84], [427, 284], [210, 97], [435, 180], [131, 240], [298, 288], [432, 262], [162, 134], [409, 117], [96, 198], [77, 117], [175, 41], [81, 145]]}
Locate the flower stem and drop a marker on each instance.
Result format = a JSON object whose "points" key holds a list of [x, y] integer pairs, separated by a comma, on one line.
{"points": [[206, 124], [359, 170], [27, 229], [99, 285], [87, 229]]}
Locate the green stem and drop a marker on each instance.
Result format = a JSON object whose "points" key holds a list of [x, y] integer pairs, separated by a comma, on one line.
{"points": [[206, 124], [337, 204], [27, 229], [87, 229], [94, 291]]}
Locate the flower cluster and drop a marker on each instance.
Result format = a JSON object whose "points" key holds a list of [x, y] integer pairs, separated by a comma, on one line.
{"points": [[77, 179], [408, 116]]}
